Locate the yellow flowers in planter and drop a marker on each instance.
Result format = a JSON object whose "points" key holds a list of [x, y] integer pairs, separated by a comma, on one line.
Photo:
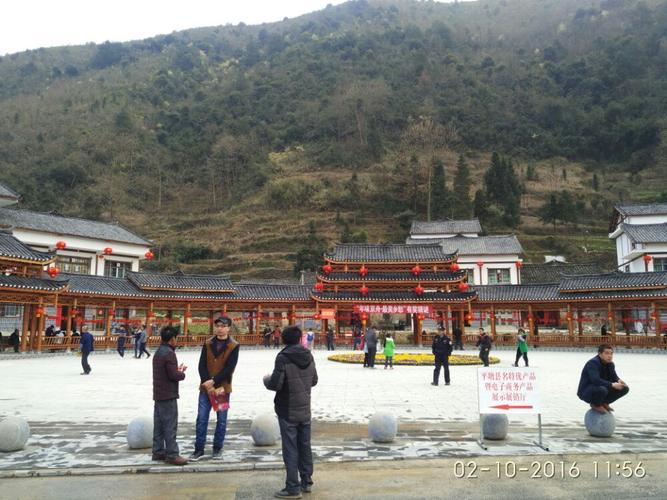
{"points": [[411, 358]]}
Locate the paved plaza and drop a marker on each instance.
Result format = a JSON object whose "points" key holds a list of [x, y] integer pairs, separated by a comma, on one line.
{"points": [[78, 423]]}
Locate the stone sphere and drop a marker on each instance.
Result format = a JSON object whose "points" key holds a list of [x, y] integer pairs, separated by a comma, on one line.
{"points": [[382, 427], [140, 433], [599, 424], [14, 433], [494, 426], [265, 430]]}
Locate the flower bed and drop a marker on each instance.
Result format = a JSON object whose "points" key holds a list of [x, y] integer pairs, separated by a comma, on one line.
{"points": [[411, 358]]}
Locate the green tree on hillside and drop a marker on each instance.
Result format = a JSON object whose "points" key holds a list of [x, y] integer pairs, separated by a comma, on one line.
{"points": [[461, 203], [503, 189], [441, 202], [309, 256]]}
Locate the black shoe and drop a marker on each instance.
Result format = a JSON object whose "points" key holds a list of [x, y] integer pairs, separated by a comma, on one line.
{"points": [[196, 455], [217, 454], [286, 494], [160, 457], [446, 383], [306, 488], [433, 383]]}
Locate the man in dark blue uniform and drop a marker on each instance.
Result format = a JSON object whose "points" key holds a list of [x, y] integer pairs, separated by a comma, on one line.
{"points": [[599, 384], [442, 349]]}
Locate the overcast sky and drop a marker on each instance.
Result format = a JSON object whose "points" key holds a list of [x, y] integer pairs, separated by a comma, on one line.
{"points": [[30, 24]]}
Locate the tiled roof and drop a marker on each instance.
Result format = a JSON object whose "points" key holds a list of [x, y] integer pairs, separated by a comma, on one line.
{"points": [[643, 209], [614, 281], [516, 293], [646, 233], [23, 283], [250, 291], [58, 224], [395, 296], [481, 245], [446, 227], [11, 248], [389, 276], [7, 192], [552, 272], [181, 282], [389, 253]]}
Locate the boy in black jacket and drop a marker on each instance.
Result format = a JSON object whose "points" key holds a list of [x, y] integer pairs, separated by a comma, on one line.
{"points": [[293, 376]]}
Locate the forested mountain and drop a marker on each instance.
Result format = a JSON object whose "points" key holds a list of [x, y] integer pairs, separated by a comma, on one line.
{"points": [[353, 118]]}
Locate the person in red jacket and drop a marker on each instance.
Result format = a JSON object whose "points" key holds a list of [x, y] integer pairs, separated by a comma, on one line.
{"points": [[167, 373]]}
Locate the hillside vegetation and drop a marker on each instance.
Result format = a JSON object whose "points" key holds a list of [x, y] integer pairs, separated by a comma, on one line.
{"points": [[249, 149]]}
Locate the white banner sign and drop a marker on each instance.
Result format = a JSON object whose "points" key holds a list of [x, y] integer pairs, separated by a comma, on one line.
{"points": [[508, 390]]}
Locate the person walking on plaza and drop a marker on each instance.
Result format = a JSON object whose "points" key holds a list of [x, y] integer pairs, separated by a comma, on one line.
{"points": [[458, 337], [276, 337], [121, 341], [166, 376], [357, 338], [330, 339], [86, 343], [14, 340], [136, 335], [143, 340], [310, 339], [266, 334], [388, 351], [599, 385], [293, 376], [217, 363], [521, 348], [371, 344], [484, 344], [441, 349]]}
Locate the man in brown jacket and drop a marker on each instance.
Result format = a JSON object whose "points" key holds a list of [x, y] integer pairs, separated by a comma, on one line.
{"points": [[217, 362], [166, 376]]}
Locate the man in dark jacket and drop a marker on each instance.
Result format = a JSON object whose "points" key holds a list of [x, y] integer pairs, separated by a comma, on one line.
{"points": [[371, 340], [458, 338], [293, 376], [599, 385], [86, 343], [484, 344], [217, 363], [441, 349], [166, 376]]}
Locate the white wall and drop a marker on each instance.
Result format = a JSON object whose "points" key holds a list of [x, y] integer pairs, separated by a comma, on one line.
{"points": [[480, 276]]}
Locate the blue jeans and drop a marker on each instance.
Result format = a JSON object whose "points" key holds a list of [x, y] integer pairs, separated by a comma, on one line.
{"points": [[203, 411]]}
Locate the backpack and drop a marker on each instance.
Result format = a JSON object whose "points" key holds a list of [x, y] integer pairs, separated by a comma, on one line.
{"points": [[310, 336]]}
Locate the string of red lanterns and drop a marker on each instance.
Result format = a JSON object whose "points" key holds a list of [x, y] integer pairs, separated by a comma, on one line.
{"points": [[419, 290], [454, 267], [363, 271], [363, 290], [53, 271], [61, 245], [149, 255], [327, 268], [416, 271], [319, 286]]}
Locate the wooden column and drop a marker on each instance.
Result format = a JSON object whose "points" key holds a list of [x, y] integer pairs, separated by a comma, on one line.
{"points": [[337, 322], [210, 322], [493, 322], [186, 320], [462, 322], [40, 326], [418, 332], [570, 322], [107, 326], [68, 325], [658, 325], [612, 320], [449, 317], [259, 315], [26, 326], [150, 317], [531, 323], [292, 315], [580, 322]]}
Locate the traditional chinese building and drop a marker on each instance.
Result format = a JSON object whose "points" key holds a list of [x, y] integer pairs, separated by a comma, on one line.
{"points": [[640, 235]]}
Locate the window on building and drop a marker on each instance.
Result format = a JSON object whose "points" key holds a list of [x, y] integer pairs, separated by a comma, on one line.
{"points": [[498, 276], [116, 269], [660, 264], [9, 310], [74, 265]]}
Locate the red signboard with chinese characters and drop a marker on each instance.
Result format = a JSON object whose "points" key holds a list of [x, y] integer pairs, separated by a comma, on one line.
{"points": [[328, 313], [508, 390], [394, 309]]}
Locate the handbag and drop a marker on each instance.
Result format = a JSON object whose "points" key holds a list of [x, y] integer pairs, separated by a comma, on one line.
{"points": [[219, 399]]}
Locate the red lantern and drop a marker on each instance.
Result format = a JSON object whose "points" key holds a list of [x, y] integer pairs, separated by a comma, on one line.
{"points": [[463, 287], [610, 316], [61, 245], [39, 312], [363, 271], [363, 290], [149, 255], [420, 317], [469, 317], [53, 271], [480, 263], [454, 267], [647, 258], [419, 290], [317, 316], [319, 286], [364, 316], [327, 268], [416, 270], [74, 313], [518, 264], [107, 251], [568, 316]]}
